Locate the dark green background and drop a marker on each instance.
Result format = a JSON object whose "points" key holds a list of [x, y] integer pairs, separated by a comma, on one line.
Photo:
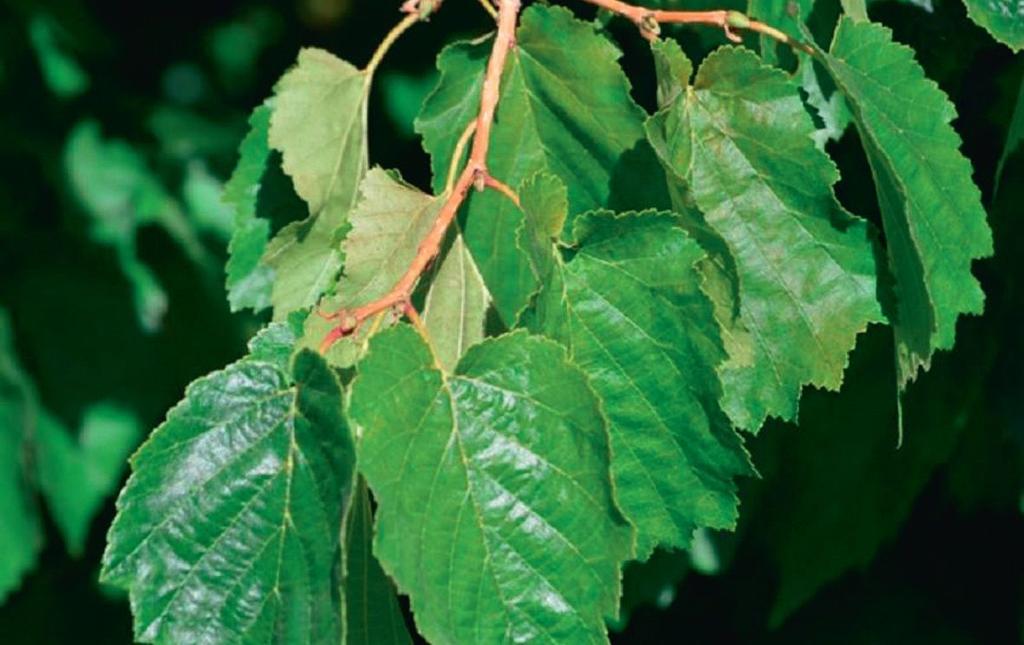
{"points": [[945, 508]]}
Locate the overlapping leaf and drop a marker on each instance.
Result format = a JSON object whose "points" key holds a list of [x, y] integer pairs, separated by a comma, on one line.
{"points": [[565, 109], [249, 281], [495, 505], [385, 232], [228, 528], [387, 226], [319, 126], [934, 222], [455, 312], [372, 613], [835, 488], [739, 143], [629, 308]]}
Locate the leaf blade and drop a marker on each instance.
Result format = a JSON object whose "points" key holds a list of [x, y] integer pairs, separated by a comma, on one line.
{"points": [[806, 268], [234, 505], [922, 179], [535, 459]]}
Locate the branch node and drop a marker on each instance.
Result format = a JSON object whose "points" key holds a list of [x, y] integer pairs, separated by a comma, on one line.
{"points": [[649, 26]]}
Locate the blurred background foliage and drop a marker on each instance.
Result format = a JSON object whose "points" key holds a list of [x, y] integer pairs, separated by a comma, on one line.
{"points": [[120, 124]]}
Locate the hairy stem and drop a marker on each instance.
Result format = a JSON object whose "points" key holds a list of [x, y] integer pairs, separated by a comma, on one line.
{"points": [[649, 21], [474, 173]]}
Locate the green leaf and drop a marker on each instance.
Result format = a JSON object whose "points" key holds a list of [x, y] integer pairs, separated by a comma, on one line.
{"points": [[781, 14], [931, 209], [832, 110], [76, 477], [629, 309], [1004, 19], [21, 536], [202, 195], [63, 75], [456, 308], [495, 506], [739, 142], [249, 281], [387, 227], [1014, 135], [319, 126], [229, 525], [564, 109], [372, 613], [836, 488], [121, 194]]}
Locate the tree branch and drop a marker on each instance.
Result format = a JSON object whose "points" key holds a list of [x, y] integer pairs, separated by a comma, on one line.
{"points": [[650, 20], [475, 173]]}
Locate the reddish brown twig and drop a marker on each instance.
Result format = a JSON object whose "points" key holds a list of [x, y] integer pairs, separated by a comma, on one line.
{"points": [[650, 20], [475, 172]]}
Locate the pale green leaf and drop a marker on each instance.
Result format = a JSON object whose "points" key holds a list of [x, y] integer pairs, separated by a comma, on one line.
{"points": [[319, 126], [1004, 19], [564, 109], [387, 226], [629, 309], [495, 506], [931, 209], [386, 229], [249, 281], [372, 613], [76, 476], [228, 528], [855, 9], [201, 194], [740, 139], [456, 308]]}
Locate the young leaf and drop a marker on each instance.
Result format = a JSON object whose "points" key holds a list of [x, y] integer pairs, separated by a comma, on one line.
{"points": [[76, 477], [741, 141], [564, 109], [319, 126], [457, 304], [931, 209], [495, 506], [21, 535], [372, 613], [1004, 19], [249, 281], [387, 226], [628, 306], [229, 525]]}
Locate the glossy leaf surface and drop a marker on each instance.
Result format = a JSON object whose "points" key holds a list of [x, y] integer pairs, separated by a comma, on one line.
{"points": [[495, 506]]}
